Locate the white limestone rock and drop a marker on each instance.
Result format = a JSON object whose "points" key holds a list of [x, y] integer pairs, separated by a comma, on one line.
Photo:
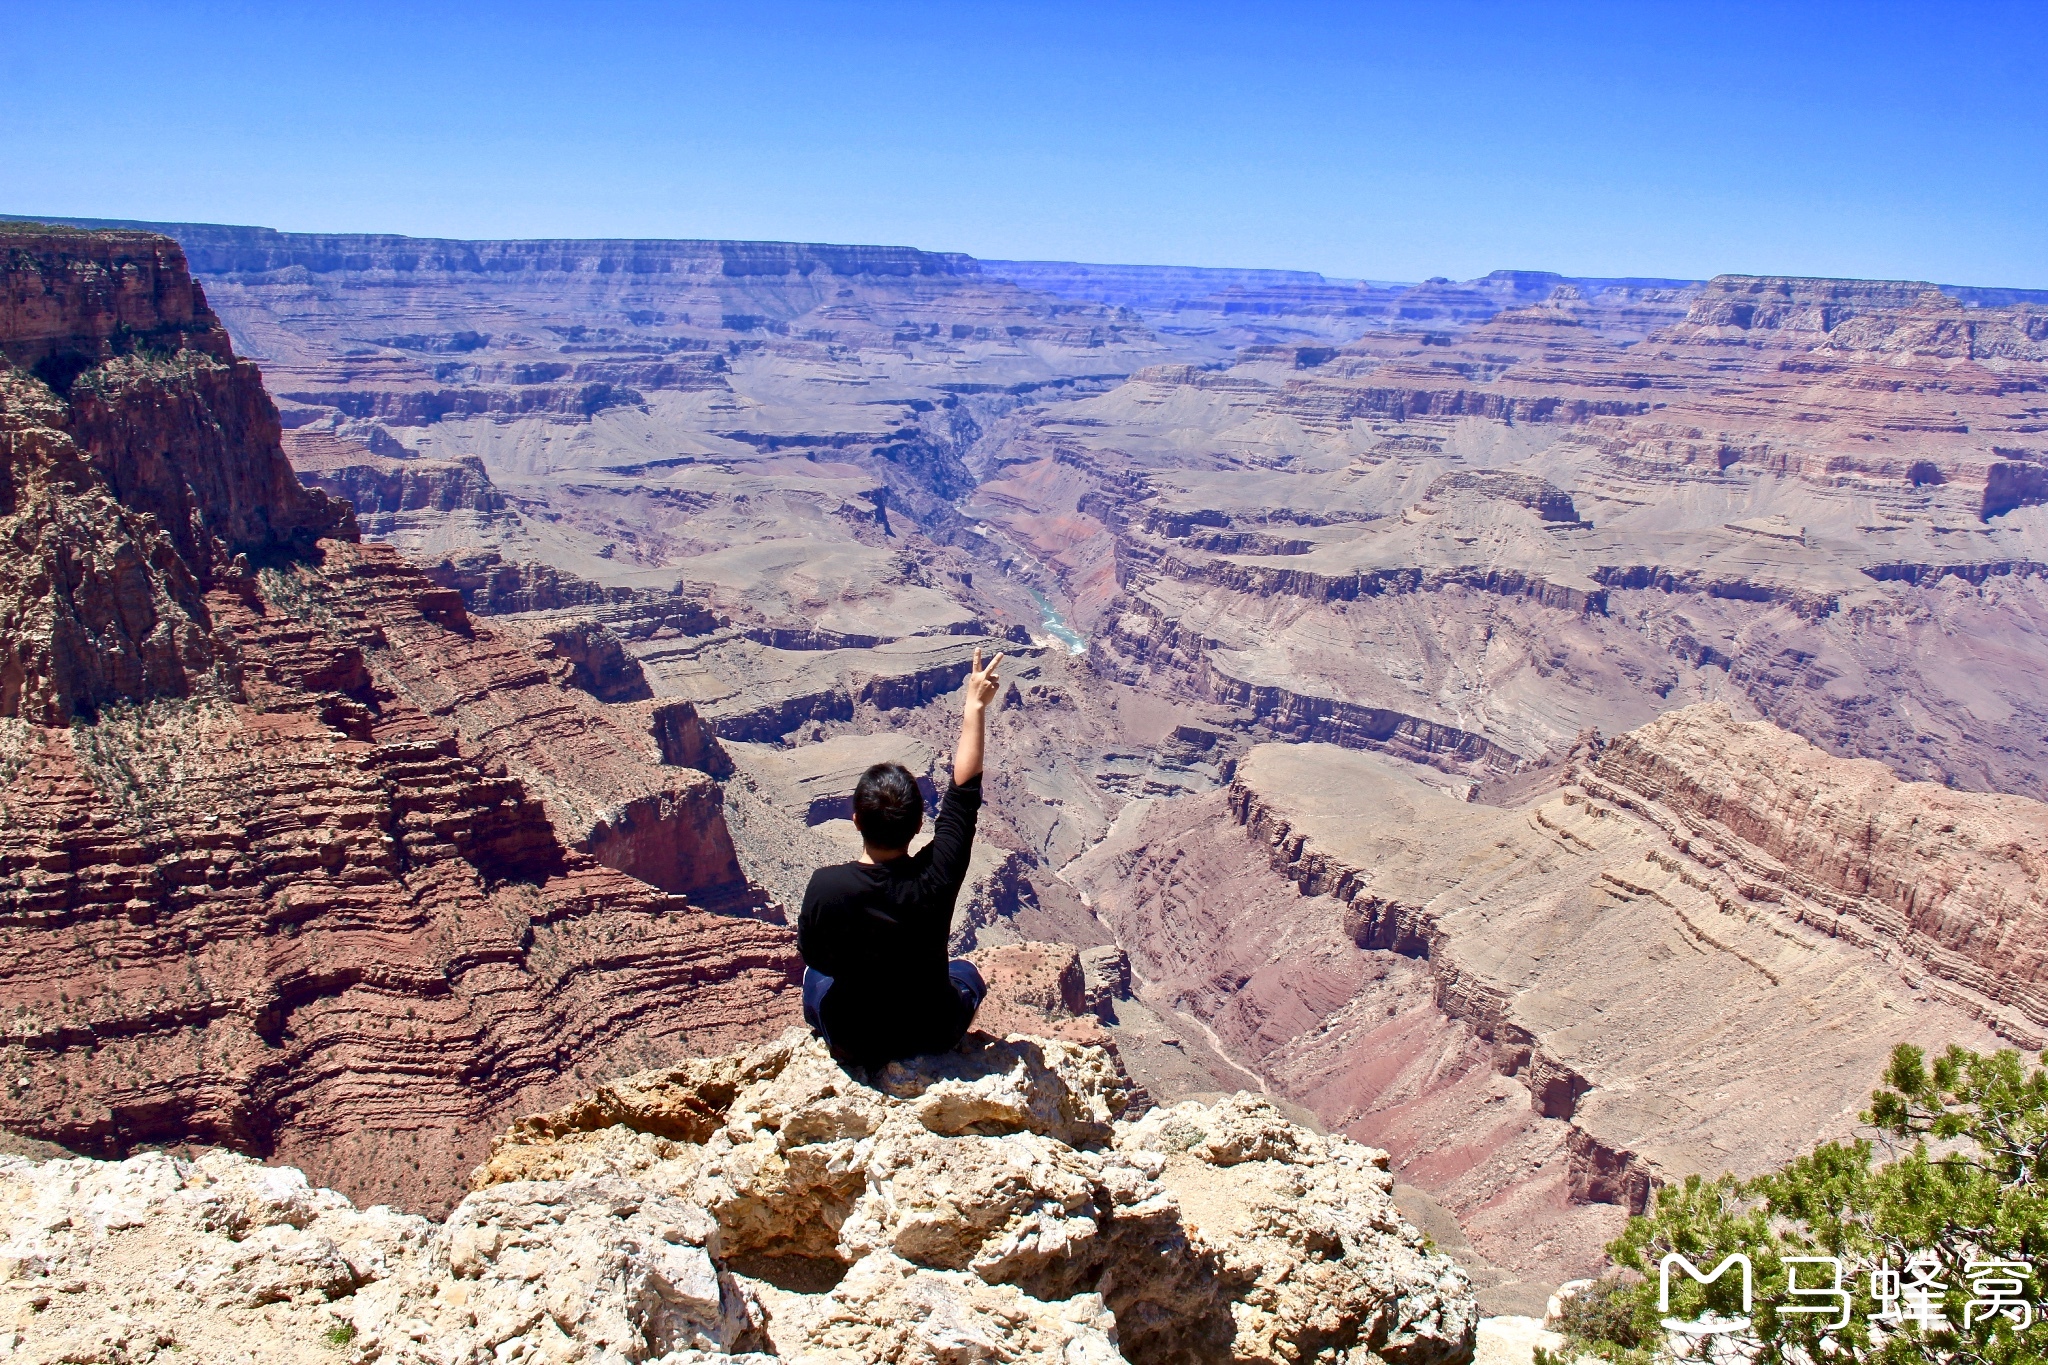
{"points": [[989, 1205]]}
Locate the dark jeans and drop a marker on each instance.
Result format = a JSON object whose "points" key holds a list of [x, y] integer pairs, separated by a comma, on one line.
{"points": [[966, 980]]}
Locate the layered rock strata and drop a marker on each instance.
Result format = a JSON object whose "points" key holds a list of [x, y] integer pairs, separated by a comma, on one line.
{"points": [[388, 492], [1693, 956], [295, 856], [1470, 541]]}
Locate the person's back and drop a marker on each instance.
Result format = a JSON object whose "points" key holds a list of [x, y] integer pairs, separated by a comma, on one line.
{"points": [[873, 933]]}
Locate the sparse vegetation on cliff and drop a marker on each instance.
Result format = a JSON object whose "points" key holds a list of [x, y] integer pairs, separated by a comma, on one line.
{"points": [[1950, 1197], [299, 593], [139, 756], [146, 363]]}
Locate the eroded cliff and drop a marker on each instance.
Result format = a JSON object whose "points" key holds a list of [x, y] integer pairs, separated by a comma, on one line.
{"points": [[295, 856], [1692, 956]]}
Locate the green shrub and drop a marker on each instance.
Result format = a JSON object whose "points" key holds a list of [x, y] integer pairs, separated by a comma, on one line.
{"points": [[1602, 1318], [1965, 1139]]}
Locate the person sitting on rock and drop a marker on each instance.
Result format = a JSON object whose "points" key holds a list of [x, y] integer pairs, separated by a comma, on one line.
{"points": [[877, 983]]}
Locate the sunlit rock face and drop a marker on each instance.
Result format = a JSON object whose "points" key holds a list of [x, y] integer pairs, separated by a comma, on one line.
{"points": [[296, 856], [1004, 1202]]}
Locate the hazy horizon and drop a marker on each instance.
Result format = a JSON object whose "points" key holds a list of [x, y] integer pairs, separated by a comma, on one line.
{"points": [[1360, 142]]}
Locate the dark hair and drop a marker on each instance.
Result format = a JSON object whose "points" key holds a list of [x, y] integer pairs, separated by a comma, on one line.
{"points": [[887, 806]]}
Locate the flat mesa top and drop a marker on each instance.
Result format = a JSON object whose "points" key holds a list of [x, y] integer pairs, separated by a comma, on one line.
{"points": [[23, 227], [1357, 806]]}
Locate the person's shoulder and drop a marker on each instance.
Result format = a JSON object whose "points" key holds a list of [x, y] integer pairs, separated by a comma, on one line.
{"points": [[837, 878]]}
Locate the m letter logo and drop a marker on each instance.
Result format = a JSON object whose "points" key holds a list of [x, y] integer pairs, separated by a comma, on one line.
{"points": [[1664, 1277]]}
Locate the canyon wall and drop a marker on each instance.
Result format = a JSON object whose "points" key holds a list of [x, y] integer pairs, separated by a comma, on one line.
{"points": [[1694, 955], [298, 857], [1788, 495]]}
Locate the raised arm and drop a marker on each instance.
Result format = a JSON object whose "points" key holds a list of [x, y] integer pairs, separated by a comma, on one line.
{"points": [[981, 690], [953, 834]]}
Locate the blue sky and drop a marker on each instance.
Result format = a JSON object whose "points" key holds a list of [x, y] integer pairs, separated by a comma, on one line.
{"points": [[1385, 141]]}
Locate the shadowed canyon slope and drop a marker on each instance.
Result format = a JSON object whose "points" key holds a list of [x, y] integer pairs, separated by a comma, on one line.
{"points": [[1563, 731]]}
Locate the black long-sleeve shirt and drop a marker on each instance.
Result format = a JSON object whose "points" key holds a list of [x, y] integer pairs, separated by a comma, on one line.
{"points": [[879, 931]]}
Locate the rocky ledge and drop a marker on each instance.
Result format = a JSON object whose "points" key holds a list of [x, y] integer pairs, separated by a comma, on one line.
{"points": [[996, 1203]]}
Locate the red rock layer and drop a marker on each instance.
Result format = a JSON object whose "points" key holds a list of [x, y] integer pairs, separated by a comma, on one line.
{"points": [[65, 292], [292, 858], [1958, 880], [1359, 1036], [158, 404]]}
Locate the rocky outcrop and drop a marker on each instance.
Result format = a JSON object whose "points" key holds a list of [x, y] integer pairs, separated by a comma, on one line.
{"points": [[492, 586], [133, 476], [381, 487], [96, 603], [295, 857], [2009, 485], [598, 661], [165, 415], [72, 299], [990, 1204], [1540, 496], [1185, 1234], [686, 741]]}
